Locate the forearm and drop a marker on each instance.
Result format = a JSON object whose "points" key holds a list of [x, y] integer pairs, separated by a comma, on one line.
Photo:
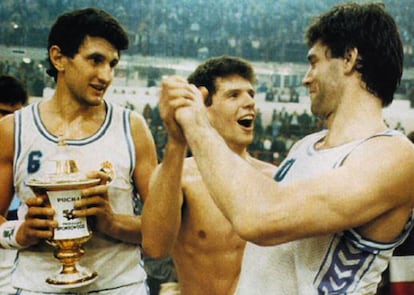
{"points": [[125, 228], [239, 191], [162, 209]]}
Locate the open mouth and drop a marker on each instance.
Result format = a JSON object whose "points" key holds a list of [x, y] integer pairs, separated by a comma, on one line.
{"points": [[246, 121]]}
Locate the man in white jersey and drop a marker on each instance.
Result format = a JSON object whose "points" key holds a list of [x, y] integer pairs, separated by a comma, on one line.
{"points": [[343, 198], [84, 48], [13, 96], [207, 252]]}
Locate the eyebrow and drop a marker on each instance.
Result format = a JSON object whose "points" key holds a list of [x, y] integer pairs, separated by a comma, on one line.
{"points": [[249, 90]]}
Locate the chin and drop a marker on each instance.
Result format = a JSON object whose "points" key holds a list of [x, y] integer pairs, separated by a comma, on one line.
{"points": [[96, 102]]}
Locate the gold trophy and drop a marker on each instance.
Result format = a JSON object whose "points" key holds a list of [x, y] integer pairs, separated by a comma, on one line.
{"points": [[60, 189]]}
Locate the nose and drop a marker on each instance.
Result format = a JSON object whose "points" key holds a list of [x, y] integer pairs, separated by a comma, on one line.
{"points": [[249, 100], [306, 79], [106, 73]]}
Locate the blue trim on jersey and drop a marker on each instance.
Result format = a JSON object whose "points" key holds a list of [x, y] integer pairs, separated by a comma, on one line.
{"points": [[17, 138], [74, 142], [39, 124], [344, 266], [130, 142]]}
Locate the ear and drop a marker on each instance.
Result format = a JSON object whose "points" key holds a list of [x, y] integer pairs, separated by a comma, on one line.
{"points": [[57, 58], [350, 59], [204, 92]]}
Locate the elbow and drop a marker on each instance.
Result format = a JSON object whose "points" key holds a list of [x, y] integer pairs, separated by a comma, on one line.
{"points": [[155, 250], [258, 232], [248, 230]]}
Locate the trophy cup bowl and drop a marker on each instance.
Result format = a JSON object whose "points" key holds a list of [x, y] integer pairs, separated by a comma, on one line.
{"points": [[60, 190]]}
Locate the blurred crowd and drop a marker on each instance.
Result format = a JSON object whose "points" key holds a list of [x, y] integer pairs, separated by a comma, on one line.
{"points": [[271, 142], [265, 30]]}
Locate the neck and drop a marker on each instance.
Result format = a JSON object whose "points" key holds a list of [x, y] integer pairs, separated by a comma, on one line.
{"points": [[354, 120], [68, 119], [240, 150]]}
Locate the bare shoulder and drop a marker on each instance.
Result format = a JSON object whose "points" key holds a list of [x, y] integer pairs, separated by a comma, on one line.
{"points": [[385, 149], [140, 130], [384, 162], [265, 167], [137, 120]]}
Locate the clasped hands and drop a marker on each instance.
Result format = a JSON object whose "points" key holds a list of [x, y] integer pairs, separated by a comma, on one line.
{"points": [[181, 105]]}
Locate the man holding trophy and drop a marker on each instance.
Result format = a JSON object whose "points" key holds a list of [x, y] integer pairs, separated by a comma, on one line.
{"points": [[46, 154]]}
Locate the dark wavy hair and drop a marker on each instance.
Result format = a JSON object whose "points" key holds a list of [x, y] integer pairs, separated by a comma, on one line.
{"points": [[370, 29], [220, 67], [71, 28], [12, 91]]}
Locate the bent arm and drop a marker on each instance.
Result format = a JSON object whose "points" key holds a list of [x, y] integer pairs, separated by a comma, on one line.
{"points": [[38, 223], [126, 227], [268, 213], [161, 217]]}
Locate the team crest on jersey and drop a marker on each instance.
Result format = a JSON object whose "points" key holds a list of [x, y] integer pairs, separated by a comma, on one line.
{"points": [[108, 168]]}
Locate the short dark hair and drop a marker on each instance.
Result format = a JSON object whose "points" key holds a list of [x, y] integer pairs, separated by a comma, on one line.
{"points": [[220, 67], [71, 28], [370, 29], [12, 91]]}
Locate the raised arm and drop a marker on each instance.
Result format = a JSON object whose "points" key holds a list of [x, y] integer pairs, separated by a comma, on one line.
{"points": [[364, 189], [161, 218]]}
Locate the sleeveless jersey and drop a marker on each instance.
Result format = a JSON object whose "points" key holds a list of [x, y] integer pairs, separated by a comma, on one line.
{"points": [[116, 263], [340, 263]]}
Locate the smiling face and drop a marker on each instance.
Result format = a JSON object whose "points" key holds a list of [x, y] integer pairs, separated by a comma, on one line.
{"points": [[232, 112], [324, 81], [90, 72]]}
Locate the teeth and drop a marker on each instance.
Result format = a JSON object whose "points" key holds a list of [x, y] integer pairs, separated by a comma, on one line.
{"points": [[247, 117]]}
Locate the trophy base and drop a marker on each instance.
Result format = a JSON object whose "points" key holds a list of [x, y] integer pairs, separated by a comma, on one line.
{"points": [[77, 279]]}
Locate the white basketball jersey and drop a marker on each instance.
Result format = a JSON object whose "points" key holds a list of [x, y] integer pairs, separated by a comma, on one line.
{"points": [[116, 263], [342, 263]]}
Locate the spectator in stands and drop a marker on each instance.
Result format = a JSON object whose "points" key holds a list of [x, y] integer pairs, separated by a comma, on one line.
{"points": [[206, 251], [340, 203]]}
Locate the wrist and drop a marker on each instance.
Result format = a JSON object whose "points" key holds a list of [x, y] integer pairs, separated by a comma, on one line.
{"points": [[8, 234]]}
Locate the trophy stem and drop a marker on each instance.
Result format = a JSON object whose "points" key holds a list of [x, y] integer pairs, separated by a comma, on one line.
{"points": [[71, 274], [69, 259]]}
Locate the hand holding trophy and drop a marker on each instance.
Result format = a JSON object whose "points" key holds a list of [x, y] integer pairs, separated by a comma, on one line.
{"points": [[60, 187]]}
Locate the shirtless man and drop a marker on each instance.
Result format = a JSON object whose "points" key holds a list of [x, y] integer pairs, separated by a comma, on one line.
{"points": [[179, 217], [343, 198]]}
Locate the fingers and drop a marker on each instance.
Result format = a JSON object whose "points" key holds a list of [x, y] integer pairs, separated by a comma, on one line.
{"points": [[89, 207], [101, 190], [174, 87], [94, 202], [104, 176], [39, 223]]}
